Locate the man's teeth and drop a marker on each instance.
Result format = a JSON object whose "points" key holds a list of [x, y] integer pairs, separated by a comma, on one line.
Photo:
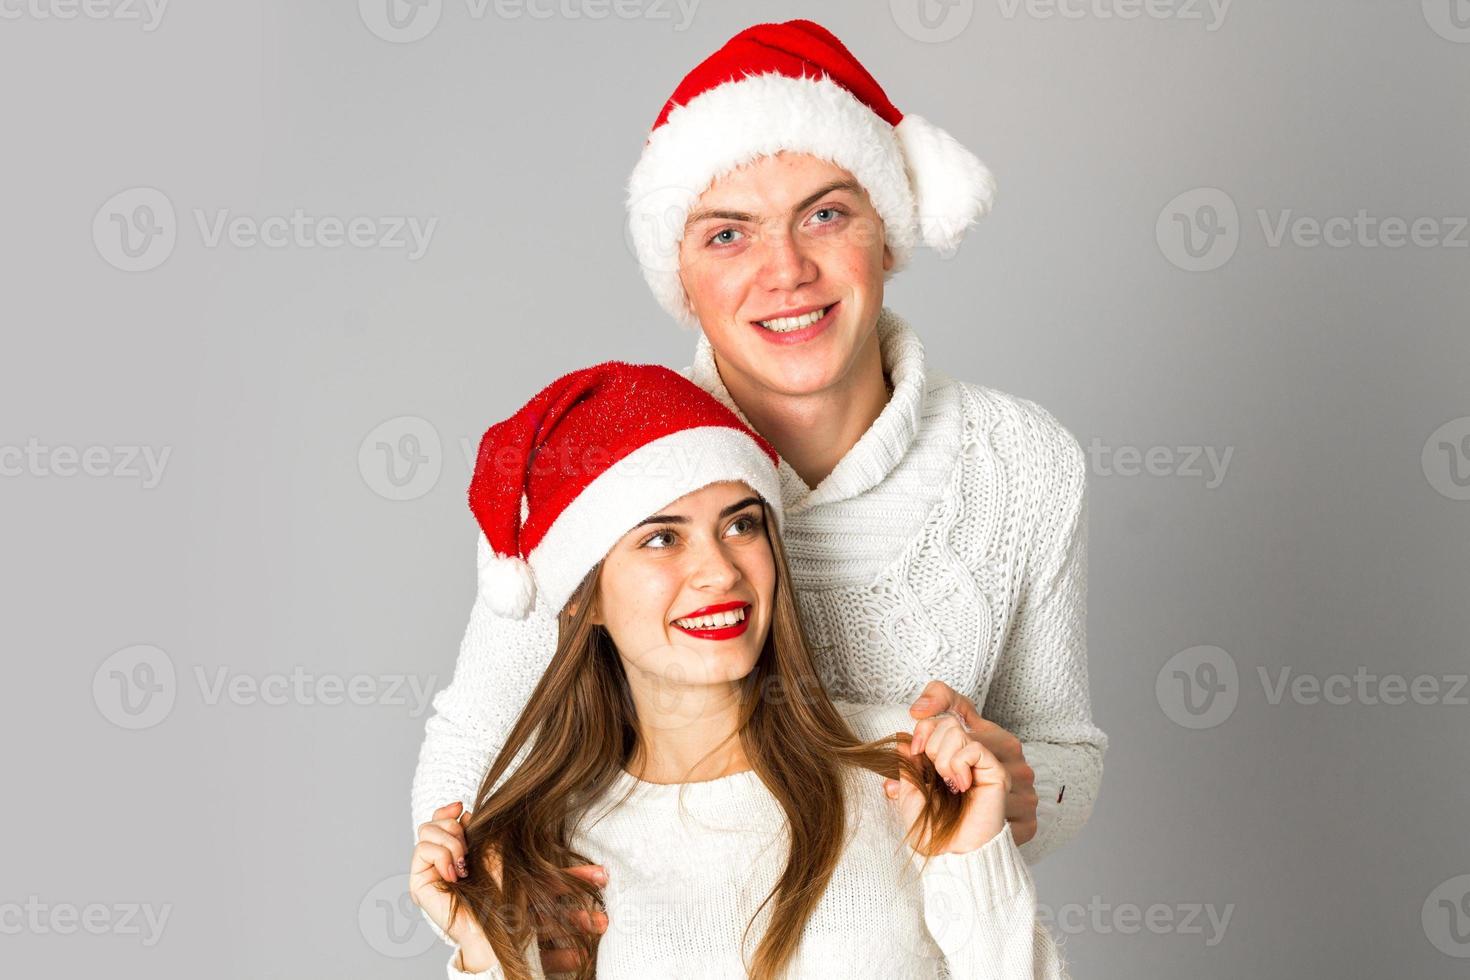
{"points": [[786, 324], [715, 621]]}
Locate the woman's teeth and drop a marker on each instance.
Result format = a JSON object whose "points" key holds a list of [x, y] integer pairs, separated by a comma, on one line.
{"points": [[786, 324], [715, 621]]}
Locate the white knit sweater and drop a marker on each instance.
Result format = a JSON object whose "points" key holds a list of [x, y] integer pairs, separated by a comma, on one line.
{"points": [[689, 864], [950, 543]]}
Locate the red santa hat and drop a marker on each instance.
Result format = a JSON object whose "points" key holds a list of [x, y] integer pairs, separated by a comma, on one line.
{"points": [[595, 452], [793, 86]]}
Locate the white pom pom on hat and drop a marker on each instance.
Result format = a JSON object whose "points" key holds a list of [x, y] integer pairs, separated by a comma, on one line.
{"points": [[507, 585]]}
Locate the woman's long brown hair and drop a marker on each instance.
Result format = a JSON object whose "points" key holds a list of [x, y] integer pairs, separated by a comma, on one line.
{"points": [[582, 724]]}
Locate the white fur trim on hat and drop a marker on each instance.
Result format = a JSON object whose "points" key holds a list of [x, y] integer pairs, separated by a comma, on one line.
{"points": [[637, 486], [952, 188]]}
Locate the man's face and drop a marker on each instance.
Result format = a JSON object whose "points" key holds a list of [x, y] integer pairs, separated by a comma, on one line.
{"points": [[778, 237]]}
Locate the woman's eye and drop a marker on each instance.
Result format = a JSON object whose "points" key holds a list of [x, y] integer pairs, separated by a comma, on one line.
{"points": [[745, 525], [649, 542]]}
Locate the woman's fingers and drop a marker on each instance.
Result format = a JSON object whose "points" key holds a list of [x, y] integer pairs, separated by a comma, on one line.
{"points": [[941, 751], [429, 856], [455, 846], [593, 873], [555, 959]]}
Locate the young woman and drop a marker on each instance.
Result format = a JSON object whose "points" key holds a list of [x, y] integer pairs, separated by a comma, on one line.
{"points": [[682, 740]]}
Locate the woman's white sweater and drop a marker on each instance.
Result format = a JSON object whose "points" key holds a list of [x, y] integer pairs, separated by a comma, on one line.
{"points": [[689, 864], [950, 543]]}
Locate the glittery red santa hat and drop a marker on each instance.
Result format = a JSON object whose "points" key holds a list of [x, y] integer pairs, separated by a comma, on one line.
{"points": [[793, 86], [595, 452]]}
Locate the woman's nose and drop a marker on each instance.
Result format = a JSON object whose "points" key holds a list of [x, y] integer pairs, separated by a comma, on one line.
{"points": [[716, 570]]}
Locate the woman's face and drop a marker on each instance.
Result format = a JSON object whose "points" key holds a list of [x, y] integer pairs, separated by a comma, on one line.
{"points": [[686, 595], [784, 234]]}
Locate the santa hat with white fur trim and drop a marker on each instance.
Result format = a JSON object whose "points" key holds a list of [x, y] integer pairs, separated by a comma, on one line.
{"points": [[793, 86], [595, 452]]}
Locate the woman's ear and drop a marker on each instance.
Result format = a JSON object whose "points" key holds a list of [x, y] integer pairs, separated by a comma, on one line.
{"points": [[594, 614]]}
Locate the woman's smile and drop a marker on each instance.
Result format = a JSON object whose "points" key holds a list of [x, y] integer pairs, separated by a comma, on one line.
{"points": [[722, 621]]}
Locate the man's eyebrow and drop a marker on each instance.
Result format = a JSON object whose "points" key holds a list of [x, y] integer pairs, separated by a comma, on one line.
{"points": [[808, 201], [680, 519]]}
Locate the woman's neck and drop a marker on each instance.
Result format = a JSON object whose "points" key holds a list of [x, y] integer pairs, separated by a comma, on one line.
{"points": [[686, 734]]}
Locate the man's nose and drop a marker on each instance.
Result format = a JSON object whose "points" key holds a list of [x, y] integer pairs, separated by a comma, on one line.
{"points": [[786, 263]]}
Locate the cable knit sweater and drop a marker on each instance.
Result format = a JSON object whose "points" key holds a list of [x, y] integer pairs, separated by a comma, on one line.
{"points": [[950, 543], [689, 864]]}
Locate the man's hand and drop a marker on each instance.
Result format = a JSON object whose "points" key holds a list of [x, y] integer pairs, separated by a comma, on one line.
{"points": [[939, 697]]}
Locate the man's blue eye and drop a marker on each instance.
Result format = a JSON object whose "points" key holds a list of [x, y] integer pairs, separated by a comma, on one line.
{"points": [[723, 231]]}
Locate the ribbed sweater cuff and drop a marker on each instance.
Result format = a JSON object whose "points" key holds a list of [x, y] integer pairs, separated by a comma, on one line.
{"points": [[994, 873]]}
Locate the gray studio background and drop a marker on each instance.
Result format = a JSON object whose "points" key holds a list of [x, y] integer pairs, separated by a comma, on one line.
{"points": [[238, 558]]}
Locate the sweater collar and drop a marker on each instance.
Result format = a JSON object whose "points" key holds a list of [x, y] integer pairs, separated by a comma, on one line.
{"points": [[879, 449]]}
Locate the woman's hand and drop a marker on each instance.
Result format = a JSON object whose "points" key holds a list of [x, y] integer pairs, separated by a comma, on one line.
{"points": [[440, 856], [967, 767], [441, 852]]}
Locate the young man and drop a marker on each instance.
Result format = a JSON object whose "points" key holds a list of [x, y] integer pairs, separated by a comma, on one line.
{"points": [[936, 529]]}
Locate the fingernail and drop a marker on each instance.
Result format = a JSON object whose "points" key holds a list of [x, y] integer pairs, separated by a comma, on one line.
{"points": [[459, 865], [950, 783], [601, 876], [923, 702]]}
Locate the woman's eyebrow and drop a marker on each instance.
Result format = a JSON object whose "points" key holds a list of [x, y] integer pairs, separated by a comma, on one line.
{"points": [[681, 519], [808, 201]]}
